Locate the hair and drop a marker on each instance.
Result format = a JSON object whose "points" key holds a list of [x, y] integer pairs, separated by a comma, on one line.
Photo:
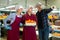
{"points": [[17, 10], [38, 4]]}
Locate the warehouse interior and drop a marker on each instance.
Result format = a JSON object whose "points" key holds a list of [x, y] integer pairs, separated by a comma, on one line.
{"points": [[8, 6]]}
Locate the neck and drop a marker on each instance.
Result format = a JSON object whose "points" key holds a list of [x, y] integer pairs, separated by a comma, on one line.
{"points": [[39, 10], [29, 13], [18, 13]]}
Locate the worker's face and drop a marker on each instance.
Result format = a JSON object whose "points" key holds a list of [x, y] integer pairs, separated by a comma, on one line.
{"points": [[30, 9], [20, 10], [39, 7]]}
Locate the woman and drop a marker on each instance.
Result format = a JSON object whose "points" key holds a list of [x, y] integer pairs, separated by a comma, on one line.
{"points": [[29, 20], [13, 28]]}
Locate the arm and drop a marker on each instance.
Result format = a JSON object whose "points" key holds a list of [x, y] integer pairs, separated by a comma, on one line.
{"points": [[36, 23], [48, 10], [23, 19], [21, 23], [36, 19], [5, 21]]}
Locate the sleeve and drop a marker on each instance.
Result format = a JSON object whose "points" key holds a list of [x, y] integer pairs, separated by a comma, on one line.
{"points": [[48, 10], [21, 23], [5, 20], [23, 19], [36, 19], [36, 14]]}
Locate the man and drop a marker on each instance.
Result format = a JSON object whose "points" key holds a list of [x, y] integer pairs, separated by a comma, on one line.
{"points": [[42, 18]]}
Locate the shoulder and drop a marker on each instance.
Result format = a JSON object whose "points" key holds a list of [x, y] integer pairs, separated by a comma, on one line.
{"points": [[24, 15], [37, 12], [34, 15], [12, 14], [43, 9], [47, 9]]}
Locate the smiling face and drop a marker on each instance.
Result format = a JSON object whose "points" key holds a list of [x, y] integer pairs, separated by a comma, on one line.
{"points": [[30, 10], [20, 10], [39, 7]]}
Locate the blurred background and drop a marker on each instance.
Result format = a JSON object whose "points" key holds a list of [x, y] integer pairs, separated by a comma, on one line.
{"points": [[8, 6]]}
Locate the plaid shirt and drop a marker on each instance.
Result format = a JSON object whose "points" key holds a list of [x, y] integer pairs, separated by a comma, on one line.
{"points": [[42, 18]]}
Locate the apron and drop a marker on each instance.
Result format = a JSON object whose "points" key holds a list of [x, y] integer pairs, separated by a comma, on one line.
{"points": [[14, 33], [29, 32]]}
